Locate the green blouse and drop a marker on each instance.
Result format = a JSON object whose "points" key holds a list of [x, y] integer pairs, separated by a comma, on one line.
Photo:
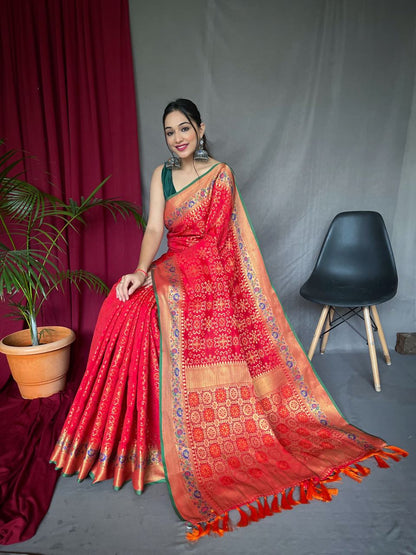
{"points": [[167, 182]]}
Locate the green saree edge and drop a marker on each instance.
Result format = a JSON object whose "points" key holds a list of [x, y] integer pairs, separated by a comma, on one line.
{"points": [[284, 311], [162, 446]]}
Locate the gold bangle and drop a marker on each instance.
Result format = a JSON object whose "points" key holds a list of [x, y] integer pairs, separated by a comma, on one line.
{"points": [[140, 270]]}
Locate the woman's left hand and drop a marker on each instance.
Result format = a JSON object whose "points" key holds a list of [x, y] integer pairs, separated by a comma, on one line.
{"points": [[129, 283]]}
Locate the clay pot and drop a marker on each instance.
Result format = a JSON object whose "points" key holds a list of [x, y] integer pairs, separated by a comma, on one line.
{"points": [[39, 371]]}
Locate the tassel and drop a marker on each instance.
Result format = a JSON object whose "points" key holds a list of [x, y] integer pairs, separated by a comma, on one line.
{"points": [[290, 499], [303, 499], [284, 503], [325, 493], [267, 509], [310, 494], [196, 533], [332, 492], [352, 473], [401, 452], [335, 477], [275, 505], [254, 516], [381, 462], [226, 525], [215, 526], [244, 518], [391, 456], [363, 470], [260, 509]]}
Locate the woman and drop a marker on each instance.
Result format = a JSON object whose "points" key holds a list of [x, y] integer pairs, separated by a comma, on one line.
{"points": [[243, 418]]}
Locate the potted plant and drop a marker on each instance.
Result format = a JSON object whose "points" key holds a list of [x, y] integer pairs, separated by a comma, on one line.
{"points": [[36, 226]]}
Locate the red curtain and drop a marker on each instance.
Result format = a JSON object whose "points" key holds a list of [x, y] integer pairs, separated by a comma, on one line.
{"points": [[68, 100]]}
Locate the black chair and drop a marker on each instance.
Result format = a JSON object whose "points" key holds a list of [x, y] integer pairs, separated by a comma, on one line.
{"points": [[355, 271]]}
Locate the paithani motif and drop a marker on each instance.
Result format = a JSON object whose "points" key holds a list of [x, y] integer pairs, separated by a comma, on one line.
{"points": [[244, 417]]}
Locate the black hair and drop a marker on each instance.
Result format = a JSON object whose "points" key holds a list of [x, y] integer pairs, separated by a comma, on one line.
{"points": [[188, 109]]}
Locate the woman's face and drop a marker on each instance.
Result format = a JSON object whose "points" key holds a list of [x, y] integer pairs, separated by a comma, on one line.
{"points": [[180, 135]]}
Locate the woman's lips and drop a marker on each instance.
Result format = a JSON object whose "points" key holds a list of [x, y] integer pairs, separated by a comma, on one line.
{"points": [[181, 147]]}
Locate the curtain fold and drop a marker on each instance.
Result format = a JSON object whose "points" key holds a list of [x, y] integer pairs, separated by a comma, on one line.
{"points": [[68, 101]]}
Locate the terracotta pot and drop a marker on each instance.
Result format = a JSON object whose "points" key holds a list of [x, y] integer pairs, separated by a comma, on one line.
{"points": [[39, 371]]}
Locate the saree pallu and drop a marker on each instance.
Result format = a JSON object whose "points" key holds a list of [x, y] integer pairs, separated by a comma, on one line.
{"points": [[244, 422]]}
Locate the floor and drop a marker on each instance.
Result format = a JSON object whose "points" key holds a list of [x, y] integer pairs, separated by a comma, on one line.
{"points": [[377, 516]]}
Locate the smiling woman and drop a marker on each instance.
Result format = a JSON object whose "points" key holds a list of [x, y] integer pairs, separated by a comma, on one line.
{"points": [[244, 421]]}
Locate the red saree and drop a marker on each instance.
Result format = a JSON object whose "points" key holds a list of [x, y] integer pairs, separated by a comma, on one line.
{"points": [[243, 417]]}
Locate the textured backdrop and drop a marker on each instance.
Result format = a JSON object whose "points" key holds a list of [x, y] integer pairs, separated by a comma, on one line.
{"points": [[310, 102]]}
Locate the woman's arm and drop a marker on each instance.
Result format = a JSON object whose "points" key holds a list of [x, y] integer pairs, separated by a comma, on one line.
{"points": [[150, 243]]}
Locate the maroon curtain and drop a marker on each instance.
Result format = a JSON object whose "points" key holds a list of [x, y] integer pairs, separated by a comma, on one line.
{"points": [[68, 100]]}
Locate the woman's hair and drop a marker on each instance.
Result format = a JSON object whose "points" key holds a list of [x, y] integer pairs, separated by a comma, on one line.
{"points": [[188, 109]]}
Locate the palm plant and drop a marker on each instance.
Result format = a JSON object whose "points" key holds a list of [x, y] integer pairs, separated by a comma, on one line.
{"points": [[36, 226]]}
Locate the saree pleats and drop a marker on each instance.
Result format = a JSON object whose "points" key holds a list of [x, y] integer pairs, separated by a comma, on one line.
{"points": [[112, 429]]}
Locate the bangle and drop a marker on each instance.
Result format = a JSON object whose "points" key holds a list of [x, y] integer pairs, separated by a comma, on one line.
{"points": [[140, 270]]}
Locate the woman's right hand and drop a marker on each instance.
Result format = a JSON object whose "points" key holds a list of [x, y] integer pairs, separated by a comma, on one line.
{"points": [[128, 284]]}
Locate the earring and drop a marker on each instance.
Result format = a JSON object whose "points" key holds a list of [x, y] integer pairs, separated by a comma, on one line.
{"points": [[200, 153], [174, 163]]}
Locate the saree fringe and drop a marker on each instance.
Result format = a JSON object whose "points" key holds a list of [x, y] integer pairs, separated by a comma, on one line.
{"points": [[307, 491]]}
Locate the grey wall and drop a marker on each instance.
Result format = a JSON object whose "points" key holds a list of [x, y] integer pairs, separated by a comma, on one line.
{"points": [[310, 102]]}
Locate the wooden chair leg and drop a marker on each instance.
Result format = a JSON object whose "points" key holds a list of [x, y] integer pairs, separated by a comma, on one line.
{"points": [[371, 348], [325, 337], [318, 330], [381, 335]]}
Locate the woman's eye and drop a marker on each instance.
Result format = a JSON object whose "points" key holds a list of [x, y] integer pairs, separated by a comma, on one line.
{"points": [[169, 133], [185, 129]]}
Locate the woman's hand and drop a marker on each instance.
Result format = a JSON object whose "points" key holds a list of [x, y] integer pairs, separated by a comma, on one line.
{"points": [[129, 283]]}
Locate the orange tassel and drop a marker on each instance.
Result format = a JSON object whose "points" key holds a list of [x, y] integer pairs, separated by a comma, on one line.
{"points": [[325, 492], [391, 456], [290, 498], [267, 509], [401, 452], [284, 503], [275, 505], [244, 518], [363, 470], [381, 462], [254, 516], [335, 477], [352, 473], [197, 533]]}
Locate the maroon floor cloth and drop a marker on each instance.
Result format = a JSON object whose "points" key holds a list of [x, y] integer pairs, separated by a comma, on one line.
{"points": [[28, 432], [35, 425]]}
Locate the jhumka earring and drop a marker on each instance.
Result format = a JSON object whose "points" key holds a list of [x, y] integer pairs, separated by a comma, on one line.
{"points": [[200, 153], [174, 163]]}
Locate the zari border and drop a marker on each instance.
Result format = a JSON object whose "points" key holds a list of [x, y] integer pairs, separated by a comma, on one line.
{"points": [[162, 446], [283, 309], [292, 329]]}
